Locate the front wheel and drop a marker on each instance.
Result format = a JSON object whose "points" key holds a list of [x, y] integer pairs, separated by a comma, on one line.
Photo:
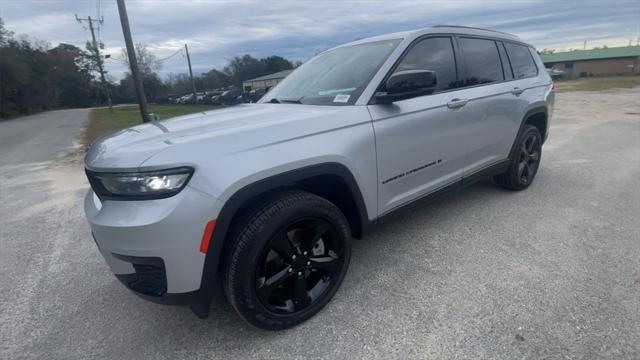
{"points": [[287, 260], [524, 163]]}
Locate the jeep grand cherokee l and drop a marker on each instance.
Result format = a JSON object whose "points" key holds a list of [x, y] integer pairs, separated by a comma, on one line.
{"points": [[261, 201]]}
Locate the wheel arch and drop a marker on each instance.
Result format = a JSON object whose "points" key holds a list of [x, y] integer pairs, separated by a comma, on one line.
{"points": [[331, 180], [536, 116]]}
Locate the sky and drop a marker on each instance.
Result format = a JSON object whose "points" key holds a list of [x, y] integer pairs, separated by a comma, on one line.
{"points": [[217, 30]]}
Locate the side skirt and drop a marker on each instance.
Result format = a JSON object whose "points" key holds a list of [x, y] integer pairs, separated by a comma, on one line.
{"points": [[491, 170]]}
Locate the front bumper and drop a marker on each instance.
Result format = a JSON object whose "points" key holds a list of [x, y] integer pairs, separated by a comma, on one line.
{"points": [[150, 282], [153, 246]]}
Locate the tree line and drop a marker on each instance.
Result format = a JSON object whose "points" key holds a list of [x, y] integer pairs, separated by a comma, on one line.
{"points": [[35, 76], [237, 70]]}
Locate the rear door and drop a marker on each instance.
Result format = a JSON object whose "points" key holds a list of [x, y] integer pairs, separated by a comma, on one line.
{"points": [[489, 91], [421, 142], [497, 97]]}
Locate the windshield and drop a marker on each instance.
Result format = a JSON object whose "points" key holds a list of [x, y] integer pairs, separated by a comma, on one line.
{"points": [[335, 77]]}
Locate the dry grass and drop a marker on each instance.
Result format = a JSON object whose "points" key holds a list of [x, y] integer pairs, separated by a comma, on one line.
{"points": [[597, 83], [101, 122]]}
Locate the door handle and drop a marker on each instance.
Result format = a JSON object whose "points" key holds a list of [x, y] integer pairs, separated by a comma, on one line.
{"points": [[517, 91], [457, 103]]}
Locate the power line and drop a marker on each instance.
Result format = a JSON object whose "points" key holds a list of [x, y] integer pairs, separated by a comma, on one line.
{"points": [[172, 55]]}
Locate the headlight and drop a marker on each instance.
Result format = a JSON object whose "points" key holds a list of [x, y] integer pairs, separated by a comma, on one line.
{"points": [[139, 185]]}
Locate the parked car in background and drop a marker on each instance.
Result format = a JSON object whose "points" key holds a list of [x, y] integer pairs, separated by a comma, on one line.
{"points": [[163, 99], [230, 97], [213, 97], [186, 99], [262, 201], [255, 95], [555, 73]]}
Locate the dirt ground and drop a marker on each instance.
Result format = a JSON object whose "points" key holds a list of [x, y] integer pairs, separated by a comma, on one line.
{"points": [[551, 272]]}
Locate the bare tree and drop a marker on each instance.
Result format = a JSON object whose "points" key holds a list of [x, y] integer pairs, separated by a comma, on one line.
{"points": [[147, 62]]}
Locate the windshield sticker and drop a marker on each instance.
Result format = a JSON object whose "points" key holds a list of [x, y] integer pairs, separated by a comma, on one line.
{"points": [[335, 91], [342, 98]]}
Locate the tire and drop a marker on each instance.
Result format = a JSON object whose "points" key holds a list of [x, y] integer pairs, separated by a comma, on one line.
{"points": [[287, 260], [524, 162]]}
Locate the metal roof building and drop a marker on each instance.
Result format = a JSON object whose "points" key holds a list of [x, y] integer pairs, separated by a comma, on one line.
{"points": [[596, 62]]}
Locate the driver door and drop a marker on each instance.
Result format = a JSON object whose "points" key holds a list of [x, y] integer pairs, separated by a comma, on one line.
{"points": [[421, 142]]}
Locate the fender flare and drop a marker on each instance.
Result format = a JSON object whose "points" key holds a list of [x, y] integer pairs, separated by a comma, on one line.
{"points": [[531, 112], [242, 197]]}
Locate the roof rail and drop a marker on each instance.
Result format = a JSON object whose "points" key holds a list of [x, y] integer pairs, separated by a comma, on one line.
{"points": [[472, 28]]}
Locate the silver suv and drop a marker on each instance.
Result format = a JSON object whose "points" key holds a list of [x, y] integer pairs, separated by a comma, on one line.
{"points": [[261, 201]]}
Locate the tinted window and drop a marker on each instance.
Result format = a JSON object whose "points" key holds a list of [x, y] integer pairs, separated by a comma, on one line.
{"points": [[482, 61], [506, 68], [434, 54], [521, 61]]}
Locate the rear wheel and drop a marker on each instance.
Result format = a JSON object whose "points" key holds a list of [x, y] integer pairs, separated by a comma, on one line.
{"points": [[525, 161], [288, 259]]}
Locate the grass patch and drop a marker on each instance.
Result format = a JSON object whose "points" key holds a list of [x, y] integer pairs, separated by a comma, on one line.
{"points": [[102, 122], [597, 83]]}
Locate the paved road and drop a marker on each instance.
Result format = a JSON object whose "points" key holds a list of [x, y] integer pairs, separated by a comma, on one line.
{"points": [[552, 272], [39, 137]]}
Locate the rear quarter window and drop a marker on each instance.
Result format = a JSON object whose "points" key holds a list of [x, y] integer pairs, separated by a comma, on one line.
{"points": [[521, 61]]}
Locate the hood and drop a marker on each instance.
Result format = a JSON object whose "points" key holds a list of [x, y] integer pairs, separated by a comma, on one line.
{"points": [[257, 124]]}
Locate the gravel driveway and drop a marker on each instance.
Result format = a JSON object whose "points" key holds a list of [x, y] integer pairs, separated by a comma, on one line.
{"points": [[551, 272]]}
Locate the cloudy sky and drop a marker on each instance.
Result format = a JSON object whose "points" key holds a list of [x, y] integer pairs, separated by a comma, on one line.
{"points": [[217, 30]]}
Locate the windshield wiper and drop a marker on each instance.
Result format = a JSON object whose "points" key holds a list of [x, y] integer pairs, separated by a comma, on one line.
{"points": [[287, 101]]}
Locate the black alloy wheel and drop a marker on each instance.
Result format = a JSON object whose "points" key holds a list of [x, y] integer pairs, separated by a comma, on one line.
{"points": [[524, 162], [288, 257], [298, 265], [529, 158]]}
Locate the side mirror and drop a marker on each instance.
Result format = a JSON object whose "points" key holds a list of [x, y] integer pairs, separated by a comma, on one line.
{"points": [[154, 117], [407, 84]]}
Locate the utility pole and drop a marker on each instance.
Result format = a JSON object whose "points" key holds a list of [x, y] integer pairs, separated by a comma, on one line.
{"points": [[96, 53], [133, 63], [193, 83]]}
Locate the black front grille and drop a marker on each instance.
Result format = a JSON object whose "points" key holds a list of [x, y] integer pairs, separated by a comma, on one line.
{"points": [[150, 277]]}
